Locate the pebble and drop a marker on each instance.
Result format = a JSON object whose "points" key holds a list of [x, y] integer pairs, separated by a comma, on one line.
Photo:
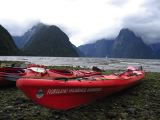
{"points": [[131, 110], [111, 115], [139, 105], [9, 108], [124, 115]]}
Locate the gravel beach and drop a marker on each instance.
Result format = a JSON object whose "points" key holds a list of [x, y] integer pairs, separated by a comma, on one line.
{"points": [[141, 102]]}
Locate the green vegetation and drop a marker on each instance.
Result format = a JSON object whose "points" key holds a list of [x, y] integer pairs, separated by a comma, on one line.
{"points": [[141, 102], [7, 45], [67, 67], [12, 64]]}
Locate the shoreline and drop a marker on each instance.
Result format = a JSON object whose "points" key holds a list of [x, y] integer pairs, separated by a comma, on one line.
{"points": [[149, 65]]}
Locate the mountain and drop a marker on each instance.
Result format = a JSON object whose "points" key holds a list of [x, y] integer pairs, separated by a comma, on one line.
{"points": [[80, 53], [101, 48], [156, 50], [128, 45], [22, 40], [7, 45], [125, 45], [49, 41]]}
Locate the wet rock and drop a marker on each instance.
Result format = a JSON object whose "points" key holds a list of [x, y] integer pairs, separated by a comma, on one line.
{"points": [[56, 116], [1, 112], [131, 110], [9, 108], [111, 115], [124, 105], [4, 117], [18, 101], [21, 101], [134, 93], [20, 118], [124, 115]]}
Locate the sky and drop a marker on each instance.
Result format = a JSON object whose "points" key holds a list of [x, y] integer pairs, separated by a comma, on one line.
{"points": [[84, 21]]}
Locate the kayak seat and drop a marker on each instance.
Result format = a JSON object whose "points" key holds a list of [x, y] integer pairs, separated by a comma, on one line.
{"points": [[66, 72], [62, 78], [39, 70]]}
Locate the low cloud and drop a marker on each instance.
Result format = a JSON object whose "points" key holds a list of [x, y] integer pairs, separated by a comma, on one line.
{"points": [[18, 28], [84, 20], [146, 23]]}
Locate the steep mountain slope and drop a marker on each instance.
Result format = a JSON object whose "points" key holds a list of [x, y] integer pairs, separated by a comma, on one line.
{"points": [[7, 45], [156, 50], [20, 41], [80, 53], [128, 45], [49, 41], [101, 48]]}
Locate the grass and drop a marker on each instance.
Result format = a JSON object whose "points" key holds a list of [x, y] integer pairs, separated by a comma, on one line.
{"points": [[10, 63]]}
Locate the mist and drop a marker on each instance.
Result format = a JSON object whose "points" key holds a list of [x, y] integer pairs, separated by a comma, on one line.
{"points": [[84, 21]]}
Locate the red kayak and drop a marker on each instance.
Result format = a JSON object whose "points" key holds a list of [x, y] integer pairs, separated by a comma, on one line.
{"points": [[61, 94], [42, 72], [8, 75]]}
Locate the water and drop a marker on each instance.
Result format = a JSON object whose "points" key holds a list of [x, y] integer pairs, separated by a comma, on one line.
{"points": [[149, 65]]}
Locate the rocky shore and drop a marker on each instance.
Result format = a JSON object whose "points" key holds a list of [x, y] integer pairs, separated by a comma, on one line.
{"points": [[141, 102]]}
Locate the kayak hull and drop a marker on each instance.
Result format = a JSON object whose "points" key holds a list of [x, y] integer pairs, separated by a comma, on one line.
{"points": [[8, 76], [4, 82], [56, 94]]}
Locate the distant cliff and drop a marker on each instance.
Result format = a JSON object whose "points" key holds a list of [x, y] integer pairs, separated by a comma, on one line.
{"points": [[125, 45], [156, 50], [49, 41], [101, 48], [128, 45], [7, 45], [22, 40]]}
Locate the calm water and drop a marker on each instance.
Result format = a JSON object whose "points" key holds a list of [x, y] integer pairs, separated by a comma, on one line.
{"points": [[103, 63]]}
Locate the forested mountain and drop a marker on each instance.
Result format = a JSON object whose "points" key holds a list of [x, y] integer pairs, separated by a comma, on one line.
{"points": [[101, 48], [7, 45], [49, 41], [128, 45]]}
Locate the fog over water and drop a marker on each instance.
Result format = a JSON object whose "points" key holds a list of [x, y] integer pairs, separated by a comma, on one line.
{"points": [[150, 65]]}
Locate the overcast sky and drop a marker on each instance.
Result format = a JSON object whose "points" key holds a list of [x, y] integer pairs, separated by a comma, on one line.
{"points": [[84, 20]]}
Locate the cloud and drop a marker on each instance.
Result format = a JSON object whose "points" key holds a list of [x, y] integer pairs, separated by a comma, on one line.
{"points": [[118, 3], [18, 28], [83, 20], [146, 22]]}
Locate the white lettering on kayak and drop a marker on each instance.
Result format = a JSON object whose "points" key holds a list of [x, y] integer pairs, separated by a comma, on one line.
{"points": [[55, 91]]}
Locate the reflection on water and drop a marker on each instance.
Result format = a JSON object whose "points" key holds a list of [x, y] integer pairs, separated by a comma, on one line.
{"points": [[103, 63]]}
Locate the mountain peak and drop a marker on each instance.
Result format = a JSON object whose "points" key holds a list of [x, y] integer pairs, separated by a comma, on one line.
{"points": [[126, 32], [49, 40], [128, 45], [0, 25], [40, 25]]}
